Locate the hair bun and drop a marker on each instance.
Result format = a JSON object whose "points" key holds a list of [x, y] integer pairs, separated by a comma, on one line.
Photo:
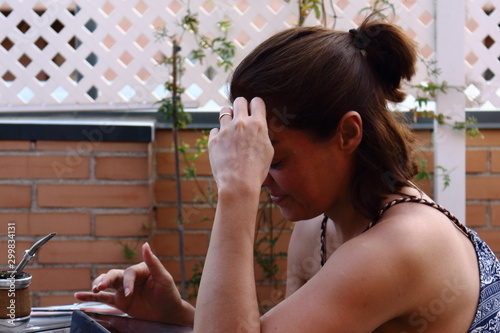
{"points": [[390, 53]]}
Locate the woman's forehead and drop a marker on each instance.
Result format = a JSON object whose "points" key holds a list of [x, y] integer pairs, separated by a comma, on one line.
{"points": [[283, 136]]}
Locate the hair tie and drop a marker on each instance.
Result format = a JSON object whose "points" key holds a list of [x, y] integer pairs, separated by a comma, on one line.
{"points": [[359, 38]]}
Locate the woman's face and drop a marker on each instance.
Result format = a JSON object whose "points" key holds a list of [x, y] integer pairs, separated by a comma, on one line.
{"points": [[306, 178]]}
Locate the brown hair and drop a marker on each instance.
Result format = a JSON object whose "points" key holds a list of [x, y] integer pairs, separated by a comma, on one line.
{"points": [[310, 77]]}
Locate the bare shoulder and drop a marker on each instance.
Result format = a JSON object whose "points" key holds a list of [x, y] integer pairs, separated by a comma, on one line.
{"points": [[439, 258], [421, 228], [359, 280], [413, 259]]}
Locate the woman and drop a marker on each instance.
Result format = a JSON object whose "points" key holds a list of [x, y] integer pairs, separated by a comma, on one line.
{"points": [[310, 123]]}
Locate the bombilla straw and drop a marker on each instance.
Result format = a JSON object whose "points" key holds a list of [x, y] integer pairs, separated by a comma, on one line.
{"points": [[29, 254]]}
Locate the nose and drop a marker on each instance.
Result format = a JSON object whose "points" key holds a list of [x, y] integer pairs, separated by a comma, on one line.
{"points": [[268, 180]]}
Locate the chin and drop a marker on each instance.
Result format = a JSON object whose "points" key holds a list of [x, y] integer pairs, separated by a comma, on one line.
{"points": [[293, 215]]}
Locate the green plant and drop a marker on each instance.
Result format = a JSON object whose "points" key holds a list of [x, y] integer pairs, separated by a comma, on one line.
{"points": [[423, 174], [194, 281], [427, 92], [189, 156], [265, 245], [172, 107], [128, 252], [129, 249], [268, 232], [378, 7], [305, 7], [445, 173], [470, 126]]}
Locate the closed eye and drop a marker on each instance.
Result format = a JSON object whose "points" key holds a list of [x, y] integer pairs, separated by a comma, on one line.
{"points": [[276, 165]]}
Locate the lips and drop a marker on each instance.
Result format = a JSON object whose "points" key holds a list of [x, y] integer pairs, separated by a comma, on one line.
{"points": [[277, 198]]}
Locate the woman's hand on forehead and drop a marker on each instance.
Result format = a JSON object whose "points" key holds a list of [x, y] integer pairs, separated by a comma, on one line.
{"points": [[240, 151]]}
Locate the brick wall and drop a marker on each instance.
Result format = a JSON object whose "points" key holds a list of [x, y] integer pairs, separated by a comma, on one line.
{"points": [[483, 182], [104, 197], [97, 196]]}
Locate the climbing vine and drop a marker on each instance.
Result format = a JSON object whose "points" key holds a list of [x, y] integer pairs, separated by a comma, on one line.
{"points": [[172, 107]]}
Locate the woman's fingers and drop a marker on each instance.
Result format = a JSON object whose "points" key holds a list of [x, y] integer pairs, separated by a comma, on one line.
{"points": [[118, 279], [103, 297], [243, 108], [154, 265], [112, 279], [225, 115], [129, 278], [151, 266], [240, 108], [258, 107], [96, 285]]}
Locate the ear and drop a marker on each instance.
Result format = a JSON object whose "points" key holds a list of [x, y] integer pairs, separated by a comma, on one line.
{"points": [[350, 131]]}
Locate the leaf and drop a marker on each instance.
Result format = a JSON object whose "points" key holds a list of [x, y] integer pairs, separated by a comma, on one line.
{"points": [[224, 26], [445, 175], [198, 54], [190, 172], [422, 101], [422, 170], [128, 252], [470, 126], [317, 12]]}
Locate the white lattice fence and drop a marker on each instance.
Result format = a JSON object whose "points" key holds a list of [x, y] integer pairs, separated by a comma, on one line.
{"points": [[483, 54], [102, 53]]}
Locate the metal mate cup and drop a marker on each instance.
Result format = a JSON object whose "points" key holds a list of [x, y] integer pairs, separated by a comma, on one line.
{"points": [[15, 301]]}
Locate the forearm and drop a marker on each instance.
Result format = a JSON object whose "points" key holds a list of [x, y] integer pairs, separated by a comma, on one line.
{"points": [[227, 299], [183, 317]]}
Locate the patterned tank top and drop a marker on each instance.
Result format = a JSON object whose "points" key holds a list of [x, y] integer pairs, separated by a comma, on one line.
{"points": [[487, 318]]}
